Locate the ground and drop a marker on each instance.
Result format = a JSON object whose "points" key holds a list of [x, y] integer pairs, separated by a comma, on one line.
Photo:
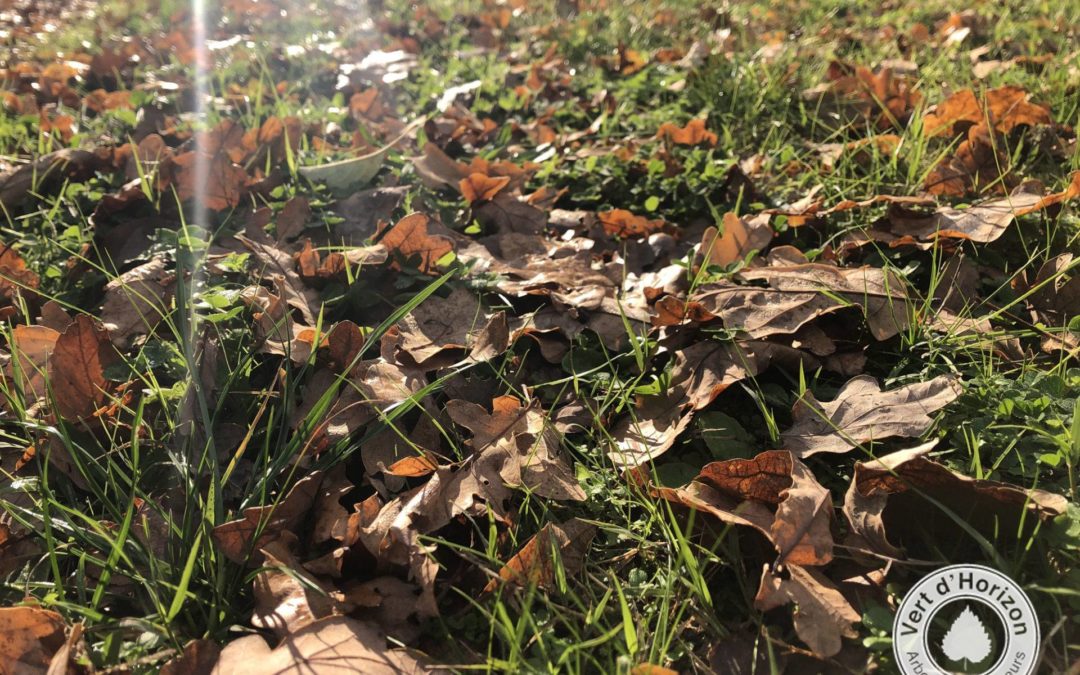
{"points": [[504, 336]]}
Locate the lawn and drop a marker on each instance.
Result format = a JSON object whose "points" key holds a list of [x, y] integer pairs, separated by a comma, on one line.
{"points": [[560, 337]]}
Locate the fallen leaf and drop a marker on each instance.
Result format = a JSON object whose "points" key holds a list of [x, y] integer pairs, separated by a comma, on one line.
{"points": [[16, 279], [31, 347], [983, 222], [137, 300], [242, 541], [286, 597], [77, 369], [328, 646], [411, 237], [222, 186], [443, 324], [348, 174], [863, 413], [198, 656], [822, 616], [477, 187], [694, 133], [561, 545], [1005, 107], [799, 294], [622, 223], [29, 638], [894, 487], [739, 239], [775, 494]]}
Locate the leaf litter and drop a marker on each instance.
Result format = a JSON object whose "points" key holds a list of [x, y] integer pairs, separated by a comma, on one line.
{"points": [[392, 297]]}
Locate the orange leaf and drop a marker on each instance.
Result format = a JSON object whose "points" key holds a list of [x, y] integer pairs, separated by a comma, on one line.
{"points": [[477, 187], [411, 237], [224, 184], [77, 369], [535, 562], [694, 133], [622, 223], [412, 467]]}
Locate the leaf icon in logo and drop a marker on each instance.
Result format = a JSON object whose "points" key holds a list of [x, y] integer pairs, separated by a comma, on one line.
{"points": [[966, 639]]}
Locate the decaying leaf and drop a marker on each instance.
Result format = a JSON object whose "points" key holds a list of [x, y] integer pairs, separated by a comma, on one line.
{"points": [[694, 133], [886, 493], [29, 639], [822, 615], [77, 369], [1006, 108], [526, 439], [801, 293], [31, 347], [983, 222], [137, 300], [739, 239], [563, 544], [411, 237], [334, 645], [775, 494], [243, 540], [863, 413], [286, 597]]}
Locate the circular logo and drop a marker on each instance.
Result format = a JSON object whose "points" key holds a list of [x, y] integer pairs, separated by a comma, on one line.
{"points": [[966, 619]]}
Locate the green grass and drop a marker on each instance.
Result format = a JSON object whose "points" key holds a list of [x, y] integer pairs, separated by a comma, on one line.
{"points": [[127, 546]]}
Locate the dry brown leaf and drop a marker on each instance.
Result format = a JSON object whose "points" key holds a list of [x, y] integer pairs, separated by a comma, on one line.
{"points": [[77, 369], [979, 164], [855, 94], [286, 597], [31, 347], [198, 656], [411, 237], [29, 639], [16, 279], [437, 169], [773, 493], [527, 441], [863, 413], [799, 294], [822, 615], [701, 372], [556, 544], [1006, 108], [242, 541], [46, 175], [694, 133], [223, 186], [739, 239], [437, 325], [886, 493], [331, 646], [137, 300], [983, 222], [622, 223], [478, 187]]}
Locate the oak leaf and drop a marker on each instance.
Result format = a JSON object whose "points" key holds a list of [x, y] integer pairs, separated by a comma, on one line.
{"points": [[894, 488], [77, 369], [30, 637], [331, 646], [411, 237], [822, 616], [478, 187], [556, 544], [694, 133], [862, 412]]}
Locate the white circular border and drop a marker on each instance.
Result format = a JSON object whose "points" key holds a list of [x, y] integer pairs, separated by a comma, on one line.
{"points": [[1030, 641]]}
